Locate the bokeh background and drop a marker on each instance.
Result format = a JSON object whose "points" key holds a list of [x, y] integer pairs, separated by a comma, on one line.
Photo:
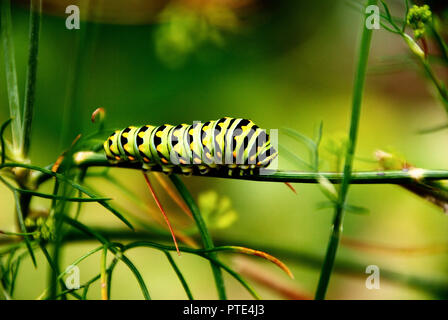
{"points": [[281, 64]]}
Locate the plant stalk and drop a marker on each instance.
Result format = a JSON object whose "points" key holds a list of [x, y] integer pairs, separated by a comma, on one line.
{"points": [[350, 153], [30, 89], [11, 74]]}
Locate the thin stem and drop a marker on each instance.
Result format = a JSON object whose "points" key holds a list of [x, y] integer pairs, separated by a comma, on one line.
{"points": [[104, 291], [350, 153], [30, 91], [437, 83], [440, 42], [179, 275]]}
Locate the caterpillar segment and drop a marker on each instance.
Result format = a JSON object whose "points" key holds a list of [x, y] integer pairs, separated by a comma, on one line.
{"points": [[236, 145]]}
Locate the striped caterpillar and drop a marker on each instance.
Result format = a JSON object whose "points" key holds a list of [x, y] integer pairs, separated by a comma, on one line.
{"points": [[229, 143]]}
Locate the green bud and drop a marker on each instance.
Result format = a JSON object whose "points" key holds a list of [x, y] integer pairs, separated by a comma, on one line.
{"points": [[418, 19], [415, 48], [29, 223]]}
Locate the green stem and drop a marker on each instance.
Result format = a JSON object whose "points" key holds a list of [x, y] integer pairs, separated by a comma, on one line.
{"points": [[179, 275], [354, 266], [440, 41], [206, 238], [353, 133], [437, 83], [360, 177], [11, 75], [30, 91], [104, 291]]}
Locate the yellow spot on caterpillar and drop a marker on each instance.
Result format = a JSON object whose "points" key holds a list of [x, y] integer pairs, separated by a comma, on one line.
{"points": [[125, 134], [131, 158], [234, 154], [191, 146], [141, 134], [159, 134], [127, 147], [159, 148], [197, 160], [182, 161], [146, 159], [117, 158], [141, 147], [164, 160], [190, 132]]}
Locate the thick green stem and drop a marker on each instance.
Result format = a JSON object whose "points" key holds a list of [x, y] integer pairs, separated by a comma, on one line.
{"points": [[30, 91], [350, 153], [11, 75], [90, 159]]}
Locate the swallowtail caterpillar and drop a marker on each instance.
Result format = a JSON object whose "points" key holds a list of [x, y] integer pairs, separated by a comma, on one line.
{"points": [[234, 144]]}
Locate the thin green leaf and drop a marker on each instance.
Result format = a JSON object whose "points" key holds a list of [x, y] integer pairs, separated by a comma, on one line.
{"points": [[30, 90], [205, 236], [295, 158], [179, 275], [74, 263], [300, 138], [72, 184], [206, 254], [51, 196], [406, 11], [119, 255], [11, 75], [110, 270], [15, 271], [55, 270], [137, 275], [23, 227], [2, 139], [390, 19]]}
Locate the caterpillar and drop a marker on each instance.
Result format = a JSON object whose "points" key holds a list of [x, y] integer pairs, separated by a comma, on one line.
{"points": [[228, 143]]}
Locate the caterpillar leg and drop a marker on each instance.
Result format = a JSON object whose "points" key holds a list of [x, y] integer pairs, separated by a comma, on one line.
{"points": [[161, 209], [167, 169], [203, 169], [187, 170]]}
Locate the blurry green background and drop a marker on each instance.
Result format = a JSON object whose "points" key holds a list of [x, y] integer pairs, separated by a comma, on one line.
{"points": [[281, 64]]}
